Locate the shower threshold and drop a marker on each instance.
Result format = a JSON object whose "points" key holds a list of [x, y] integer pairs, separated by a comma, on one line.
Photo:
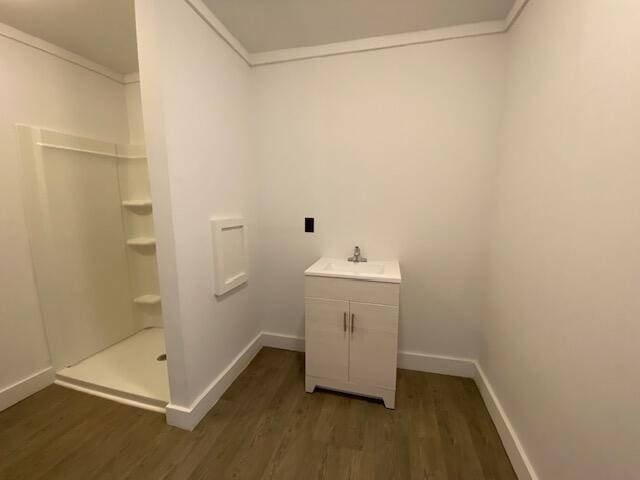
{"points": [[128, 372]]}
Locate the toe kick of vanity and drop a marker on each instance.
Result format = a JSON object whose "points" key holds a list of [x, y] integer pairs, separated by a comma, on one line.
{"points": [[351, 336]]}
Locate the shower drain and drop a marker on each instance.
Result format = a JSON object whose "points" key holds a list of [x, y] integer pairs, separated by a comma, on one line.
{"points": [[162, 358]]}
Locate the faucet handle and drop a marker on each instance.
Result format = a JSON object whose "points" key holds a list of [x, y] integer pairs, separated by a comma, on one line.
{"points": [[356, 256]]}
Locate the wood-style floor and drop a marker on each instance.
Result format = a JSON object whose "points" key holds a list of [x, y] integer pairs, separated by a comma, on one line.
{"points": [[264, 427]]}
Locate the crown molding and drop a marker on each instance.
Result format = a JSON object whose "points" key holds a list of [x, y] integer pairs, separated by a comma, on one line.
{"points": [[130, 78], [378, 43], [58, 52], [514, 13], [44, 46], [355, 46], [284, 55], [218, 27]]}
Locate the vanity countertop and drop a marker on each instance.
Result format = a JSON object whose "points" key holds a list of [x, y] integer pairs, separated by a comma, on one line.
{"points": [[372, 271]]}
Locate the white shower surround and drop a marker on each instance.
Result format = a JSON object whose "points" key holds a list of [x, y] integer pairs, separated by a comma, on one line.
{"points": [[39, 88]]}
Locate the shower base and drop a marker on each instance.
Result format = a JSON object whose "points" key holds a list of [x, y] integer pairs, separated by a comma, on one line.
{"points": [[128, 372]]}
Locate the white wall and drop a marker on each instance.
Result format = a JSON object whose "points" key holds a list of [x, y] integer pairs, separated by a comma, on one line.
{"points": [[561, 344], [39, 89], [391, 150], [134, 113], [195, 96]]}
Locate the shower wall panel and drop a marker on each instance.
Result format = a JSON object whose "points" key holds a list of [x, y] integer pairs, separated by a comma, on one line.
{"points": [[78, 243]]}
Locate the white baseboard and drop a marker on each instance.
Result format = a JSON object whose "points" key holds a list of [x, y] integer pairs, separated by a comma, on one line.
{"points": [[521, 464], [25, 387], [285, 342], [424, 362], [460, 367], [188, 417]]}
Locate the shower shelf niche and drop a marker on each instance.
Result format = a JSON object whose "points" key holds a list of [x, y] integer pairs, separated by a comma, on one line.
{"points": [[147, 299], [134, 204], [141, 242]]}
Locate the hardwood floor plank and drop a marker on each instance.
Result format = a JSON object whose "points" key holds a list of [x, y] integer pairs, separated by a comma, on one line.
{"points": [[112, 440], [36, 462], [189, 455], [486, 440], [221, 453], [264, 427], [258, 447], [136, 446], [426, 451], [459, 453], [298, 453], [40, 433]]}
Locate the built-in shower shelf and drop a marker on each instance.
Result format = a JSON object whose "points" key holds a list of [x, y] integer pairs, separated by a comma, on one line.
{"points": [[141, 242], [147, 299], [137, 203]]}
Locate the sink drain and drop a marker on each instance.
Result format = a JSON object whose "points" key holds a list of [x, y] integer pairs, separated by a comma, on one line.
{"points": [[162, 358]]}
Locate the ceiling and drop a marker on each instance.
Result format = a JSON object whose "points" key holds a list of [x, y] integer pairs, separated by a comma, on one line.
{"points": [[103, 31], [265, 25]]}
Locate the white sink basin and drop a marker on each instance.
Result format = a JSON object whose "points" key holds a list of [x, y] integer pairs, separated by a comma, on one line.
{"points": [[372, 271]]}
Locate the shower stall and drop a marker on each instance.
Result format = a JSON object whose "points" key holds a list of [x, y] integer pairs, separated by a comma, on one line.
{"points": [[88, 209]]}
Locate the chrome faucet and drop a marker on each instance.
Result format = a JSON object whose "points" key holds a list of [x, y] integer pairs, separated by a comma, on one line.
{"points": [[356, 256]]}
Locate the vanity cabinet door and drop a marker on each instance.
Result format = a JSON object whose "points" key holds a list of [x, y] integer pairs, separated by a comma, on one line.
{"points": [[373, 344], [327, 338]]}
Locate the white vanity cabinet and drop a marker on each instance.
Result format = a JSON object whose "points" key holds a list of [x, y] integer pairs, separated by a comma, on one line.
{"points": [[351, 335]]}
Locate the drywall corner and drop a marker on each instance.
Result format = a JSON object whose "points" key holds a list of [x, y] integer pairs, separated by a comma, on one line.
{"points": [[155, 139], [188, 418]]}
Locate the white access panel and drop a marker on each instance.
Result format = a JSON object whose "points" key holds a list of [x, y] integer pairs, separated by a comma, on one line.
{"points": [[230, 258]]}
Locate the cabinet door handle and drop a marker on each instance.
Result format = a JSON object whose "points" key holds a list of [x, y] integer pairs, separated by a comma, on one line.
{"points": [[353, 321], [344, 322]]}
